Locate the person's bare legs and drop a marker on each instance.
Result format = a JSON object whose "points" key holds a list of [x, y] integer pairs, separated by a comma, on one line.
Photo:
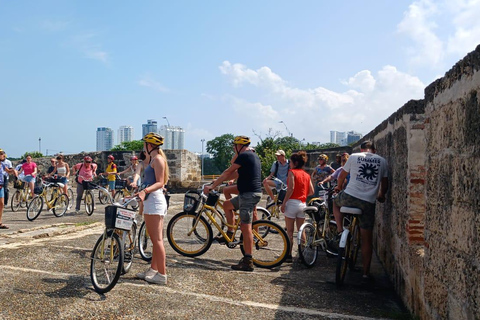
{"points": [[367, 237], [338, 217], [289, 223], [246, 229], [154, 225], [268, 185], [1, 209], [229, 214]]}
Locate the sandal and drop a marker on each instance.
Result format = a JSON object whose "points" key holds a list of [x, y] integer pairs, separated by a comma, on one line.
{"points": [[2, 226]]}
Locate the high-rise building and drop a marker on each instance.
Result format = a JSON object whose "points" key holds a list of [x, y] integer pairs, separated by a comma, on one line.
{"points": [[104, 139], [125, 133], [338, 137], [174, 137], [353, 136], [150, 126]]}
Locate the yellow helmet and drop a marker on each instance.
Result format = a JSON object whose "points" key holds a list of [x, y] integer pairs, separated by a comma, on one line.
{"points": [[242, 140], [324, 156], [153, 138]]}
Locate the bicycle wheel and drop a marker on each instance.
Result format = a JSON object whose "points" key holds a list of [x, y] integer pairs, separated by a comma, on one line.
{"points": [[129, 248], [107, 262], [70, 197], [307, 249], [354, 248], [102, 197], [342, 263], [118, 196], [145, 246], [331, 237], [25, 198], [274, 211], [15, 202], [89, 202], [189, 237], [60, 205], [34, 208], [271, 250]]}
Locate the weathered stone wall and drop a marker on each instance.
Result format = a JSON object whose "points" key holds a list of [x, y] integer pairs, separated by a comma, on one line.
{"points": [[428, 230]]}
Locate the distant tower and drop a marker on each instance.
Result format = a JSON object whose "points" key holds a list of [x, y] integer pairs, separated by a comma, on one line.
{"points": [[104, 139], [150, 126], [174, 137], [353, 136], [125, 133], [338, 137]]}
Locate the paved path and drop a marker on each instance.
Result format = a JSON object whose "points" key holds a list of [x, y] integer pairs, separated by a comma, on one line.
{"points": [[44, 271]]}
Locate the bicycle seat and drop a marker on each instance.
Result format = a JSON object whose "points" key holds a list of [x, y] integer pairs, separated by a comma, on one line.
{"points": [[351, 210], [61, 185], [311, 208]]}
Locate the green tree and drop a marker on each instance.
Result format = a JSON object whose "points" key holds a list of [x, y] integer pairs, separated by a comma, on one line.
{"points": [[135, 145], [221, 150], [33, 154]]}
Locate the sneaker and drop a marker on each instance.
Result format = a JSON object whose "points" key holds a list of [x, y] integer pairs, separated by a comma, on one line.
{"points": [[150, 273], [245, 264], [289, 259], [77, 211], [157, 278]]}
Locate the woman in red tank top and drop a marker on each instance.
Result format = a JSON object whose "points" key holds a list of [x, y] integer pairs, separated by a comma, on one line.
{"points": [[299, 187]]}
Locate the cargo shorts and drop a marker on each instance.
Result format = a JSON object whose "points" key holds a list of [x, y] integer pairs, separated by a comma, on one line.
{"points": [[367, 218], [246, 202]]}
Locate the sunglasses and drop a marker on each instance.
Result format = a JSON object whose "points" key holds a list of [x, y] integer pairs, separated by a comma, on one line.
{"points": [[88, 161]]}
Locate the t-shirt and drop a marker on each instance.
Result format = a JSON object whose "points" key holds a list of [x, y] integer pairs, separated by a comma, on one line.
{"points": [[282, 172], [249, 173], [85, 173], [111, 167], [302, 184], [322, 173], [50, 169], [6, 164], [28, 168], [3, 172], [337, 172], [366, 172]]}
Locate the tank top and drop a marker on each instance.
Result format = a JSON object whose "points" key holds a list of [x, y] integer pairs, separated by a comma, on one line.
{"points": [[62, 170], [149, 175], [302, 184]]}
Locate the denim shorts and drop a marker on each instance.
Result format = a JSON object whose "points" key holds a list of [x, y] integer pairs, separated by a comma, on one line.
{"points": [[246, 202], [29, 179], [367, 218], [63, 180], [2, 193], [111, 185]]}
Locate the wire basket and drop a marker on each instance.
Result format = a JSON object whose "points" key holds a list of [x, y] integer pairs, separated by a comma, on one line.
{"points": [[191, 201], [88, 185], [19, 184], [120, 184]]}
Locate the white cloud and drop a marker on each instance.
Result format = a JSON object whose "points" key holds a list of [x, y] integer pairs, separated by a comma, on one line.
{"points": [[86, 43], [149, 82], [312, 113]]}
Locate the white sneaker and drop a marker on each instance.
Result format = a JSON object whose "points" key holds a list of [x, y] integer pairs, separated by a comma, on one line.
{"points": [[77, 212], [158, 278], [150, 273]]}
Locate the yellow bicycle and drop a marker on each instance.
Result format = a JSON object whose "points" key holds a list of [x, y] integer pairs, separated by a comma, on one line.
{"points": [[21, 197], [190, 234], [50, 194]]}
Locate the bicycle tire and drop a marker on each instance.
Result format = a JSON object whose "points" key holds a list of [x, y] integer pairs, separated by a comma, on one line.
{"points": [[89, 202], [331, 237], [342, 263], [219, 217], [307, 249], [70, 197], [129, 248], [102, 197], [16, 200], [354, 248], [184, 240], [118, 196], [271, 250], [145, 246], [106, 263], [34, 208], [60, 205]]}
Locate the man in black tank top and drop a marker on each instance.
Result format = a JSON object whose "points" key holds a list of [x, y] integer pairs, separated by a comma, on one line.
{"points": [[247, 169]]}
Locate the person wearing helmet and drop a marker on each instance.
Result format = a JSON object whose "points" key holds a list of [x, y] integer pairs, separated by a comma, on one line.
{"points": [[247, 169], [111, 173], [156, 174], [321, 172], [85, 170], [131, 169], [5, 170]]}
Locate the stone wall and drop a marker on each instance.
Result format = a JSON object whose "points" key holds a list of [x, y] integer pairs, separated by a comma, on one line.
{"points": [[428, 230]]}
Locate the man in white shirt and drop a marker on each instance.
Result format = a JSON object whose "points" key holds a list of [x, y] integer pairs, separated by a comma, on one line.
{"points": [[368, 183]]}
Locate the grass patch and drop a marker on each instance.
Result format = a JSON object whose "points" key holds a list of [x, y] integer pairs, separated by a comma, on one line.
{"points": [[84, 223]]}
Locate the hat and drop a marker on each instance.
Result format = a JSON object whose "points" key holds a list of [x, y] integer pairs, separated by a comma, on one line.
{"points": [[280, 153]]}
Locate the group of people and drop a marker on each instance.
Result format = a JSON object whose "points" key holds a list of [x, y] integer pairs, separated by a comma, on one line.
{"points": [[362, 179]]}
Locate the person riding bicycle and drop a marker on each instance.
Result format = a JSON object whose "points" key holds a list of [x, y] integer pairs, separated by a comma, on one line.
{"points": [[62, 171], [279, 170], [29, 169], [156, 176], [247, 167], [111, 173], [84, 171], [320, 172], [131, 169], [5, 169], [368, 182]]}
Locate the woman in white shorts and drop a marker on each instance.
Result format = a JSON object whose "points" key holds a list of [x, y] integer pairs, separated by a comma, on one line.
{"points": [[154, 205], [299, 187]]}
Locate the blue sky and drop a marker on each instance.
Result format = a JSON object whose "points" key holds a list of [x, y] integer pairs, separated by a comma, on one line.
{"points": [[215, 67]]}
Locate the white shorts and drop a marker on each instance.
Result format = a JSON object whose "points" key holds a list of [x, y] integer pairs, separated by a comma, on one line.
{"points": [[294, 209], [156, 204]]}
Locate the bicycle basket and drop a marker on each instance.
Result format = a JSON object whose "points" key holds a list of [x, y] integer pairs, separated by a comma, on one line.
{"points": [[88, 185], [212, 198], [38, 190], [103, 182], [19, 184], [120, 184], [317, 216], [191, 201], [119, 218]]}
